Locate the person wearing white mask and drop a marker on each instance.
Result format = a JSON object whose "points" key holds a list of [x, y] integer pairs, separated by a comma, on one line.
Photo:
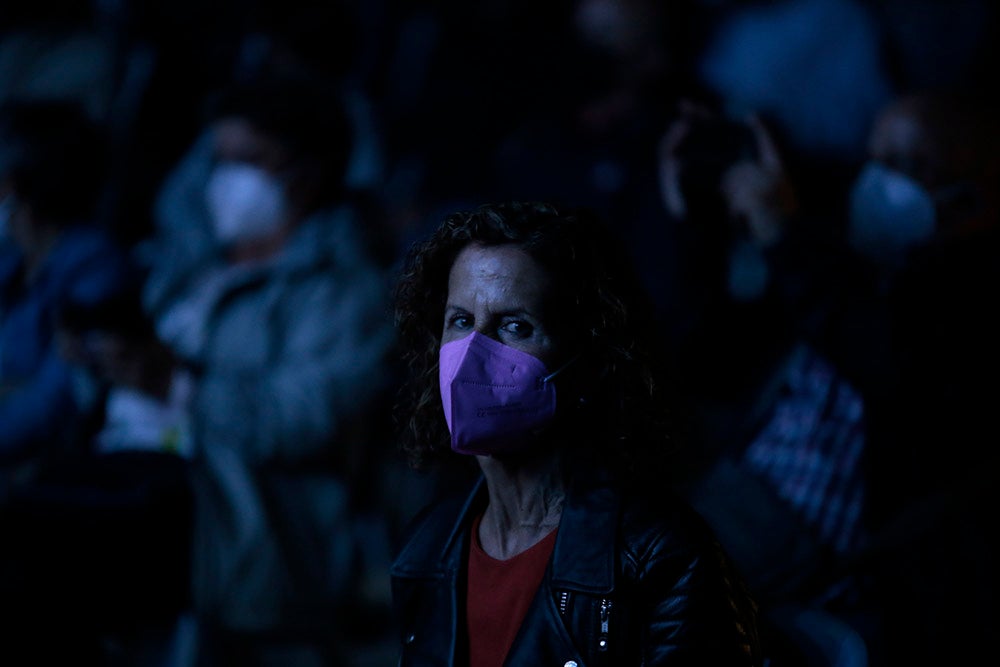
{"points": [[905, 288], [916, 184], [889, 212], [263, 285], [246, 203], [925, 207]]}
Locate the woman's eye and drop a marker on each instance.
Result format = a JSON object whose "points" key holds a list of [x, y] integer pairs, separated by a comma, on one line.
{"points": [[459, 322], [518, 329]]}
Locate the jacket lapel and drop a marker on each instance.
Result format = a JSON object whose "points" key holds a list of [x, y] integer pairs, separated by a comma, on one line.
{"points": [[584, 555], [583, 561]]}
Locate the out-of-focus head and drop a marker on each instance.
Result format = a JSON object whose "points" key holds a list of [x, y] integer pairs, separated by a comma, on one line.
{"points": [[283, 142], [593, 307], [946, 143], [932, 173]]}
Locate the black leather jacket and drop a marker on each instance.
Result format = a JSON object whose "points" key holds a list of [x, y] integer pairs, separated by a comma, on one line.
{"points": [[624, 586]]}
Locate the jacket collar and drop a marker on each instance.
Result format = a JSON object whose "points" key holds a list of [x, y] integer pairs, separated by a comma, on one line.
{"points": [[583, 558], [436, 547], [584, 555]]}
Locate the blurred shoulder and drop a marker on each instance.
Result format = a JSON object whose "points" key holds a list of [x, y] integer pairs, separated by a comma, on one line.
{"points": [[665, 529]]}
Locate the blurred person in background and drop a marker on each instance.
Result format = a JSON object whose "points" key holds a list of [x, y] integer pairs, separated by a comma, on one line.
{"points": [[918, 332], [817, 70], [97, 567], [894, 308], [781, 430], [615, 69], [52, 160], [52, 254], [262, 289]]}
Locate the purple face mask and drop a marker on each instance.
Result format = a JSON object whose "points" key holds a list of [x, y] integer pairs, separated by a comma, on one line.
{"points": [[493, 395]]}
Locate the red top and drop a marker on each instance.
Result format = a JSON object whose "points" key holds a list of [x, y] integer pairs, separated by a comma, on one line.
{"points": [[500, 592]]}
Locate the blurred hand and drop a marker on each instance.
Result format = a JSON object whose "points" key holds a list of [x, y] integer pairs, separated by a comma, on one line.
{"points": [[670, 163], [145, 365], [756, 191]]}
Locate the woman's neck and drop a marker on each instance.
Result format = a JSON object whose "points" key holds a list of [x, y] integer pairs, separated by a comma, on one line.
{"points": [[525, 503]]}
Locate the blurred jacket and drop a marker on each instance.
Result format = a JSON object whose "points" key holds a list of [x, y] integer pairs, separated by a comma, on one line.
{"points": [[286, 355], [38, 406]]}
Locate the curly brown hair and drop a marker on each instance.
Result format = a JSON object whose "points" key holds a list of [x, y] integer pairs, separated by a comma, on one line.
{"points": [[600, 304]]}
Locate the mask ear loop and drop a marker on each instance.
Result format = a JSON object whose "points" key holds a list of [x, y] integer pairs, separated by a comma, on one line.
{"points": [[558, 370]]}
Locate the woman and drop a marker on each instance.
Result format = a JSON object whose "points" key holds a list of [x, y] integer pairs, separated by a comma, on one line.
{"points": [[569, 550]]}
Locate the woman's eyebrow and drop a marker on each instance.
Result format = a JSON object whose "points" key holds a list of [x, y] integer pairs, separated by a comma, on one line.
{"points": [[519, 312]]}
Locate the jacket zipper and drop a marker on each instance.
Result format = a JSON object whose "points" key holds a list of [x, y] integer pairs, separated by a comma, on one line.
{"points": [[563, 602], [602, 639], [604, 618]]}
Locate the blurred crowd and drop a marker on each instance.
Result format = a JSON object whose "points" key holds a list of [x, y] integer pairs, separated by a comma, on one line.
{"points": [[203, 207]]}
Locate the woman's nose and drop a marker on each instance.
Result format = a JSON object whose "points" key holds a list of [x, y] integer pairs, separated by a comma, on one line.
{"points": [[487, 330]]}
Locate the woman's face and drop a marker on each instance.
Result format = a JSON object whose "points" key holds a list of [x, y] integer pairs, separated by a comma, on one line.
{"points": [[503, 293]]}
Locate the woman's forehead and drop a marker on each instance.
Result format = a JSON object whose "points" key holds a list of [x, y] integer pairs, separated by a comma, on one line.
{"points": [[504, 271]]}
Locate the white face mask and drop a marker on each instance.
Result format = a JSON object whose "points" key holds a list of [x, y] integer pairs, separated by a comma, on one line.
{"points": [[889, 213], [245, 202]]}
